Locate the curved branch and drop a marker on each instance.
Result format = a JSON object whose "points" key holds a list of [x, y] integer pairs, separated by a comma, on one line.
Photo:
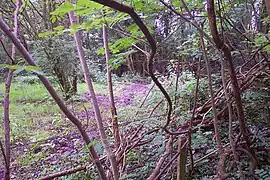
{"points": [[64, 173], [129, 10]]}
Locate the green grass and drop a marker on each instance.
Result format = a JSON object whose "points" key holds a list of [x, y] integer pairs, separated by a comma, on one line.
{"points": [[31, 107], [21, 92], [24, 117], [98, 87]]}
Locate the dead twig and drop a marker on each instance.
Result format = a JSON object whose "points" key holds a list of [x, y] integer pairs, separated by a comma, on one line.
{"points": [[64, 173], [163, 157], [145, 98], [155, 107]]}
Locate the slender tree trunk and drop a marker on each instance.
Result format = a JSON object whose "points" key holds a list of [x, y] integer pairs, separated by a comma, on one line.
{"points": [[195, 102], [110, 90], [228, 57], [220, 170], [7, 124], [7, 99], [227, 97], [88, 80], [53, 93]]}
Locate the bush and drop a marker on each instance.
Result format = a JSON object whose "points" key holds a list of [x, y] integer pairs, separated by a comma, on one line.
{"points": [[32, 79], [27, 79]]}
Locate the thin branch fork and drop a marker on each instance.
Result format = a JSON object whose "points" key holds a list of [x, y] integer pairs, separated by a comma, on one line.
{"points": [[127, 144]]}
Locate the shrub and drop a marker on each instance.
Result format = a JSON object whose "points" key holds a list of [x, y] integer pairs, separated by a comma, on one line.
{"points": [[31, 79]]}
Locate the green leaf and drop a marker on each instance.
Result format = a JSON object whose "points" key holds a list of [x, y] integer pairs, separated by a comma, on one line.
{"points": [[3, 66], [88, 4], [13, 67], [26, 3], [266, 18], [94, 5], [133, 29], [59, 28], [138, 5], [63, 9], [53, 19], [118, 59], [101, 51], [199, 6], [47, 33], [75, 27], [267, 48], [176, 3], [31, 68], [83, 11], [260, 40], [87, 25], [81, 3], [122, 43]]}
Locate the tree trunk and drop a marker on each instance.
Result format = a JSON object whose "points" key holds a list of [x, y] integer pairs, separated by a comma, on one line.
{"points": [[228, 57], [110, 90], [88, 80], [7, 99], [7, 124], [65, 85]]}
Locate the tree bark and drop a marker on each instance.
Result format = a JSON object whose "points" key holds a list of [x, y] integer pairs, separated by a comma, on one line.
{"points": [[229, 106], [110, 90], [7, 99], [4, 27], [7, 124], [88, 80]]}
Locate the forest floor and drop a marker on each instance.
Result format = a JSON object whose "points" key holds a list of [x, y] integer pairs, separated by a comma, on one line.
{"points": [[44, 141]]}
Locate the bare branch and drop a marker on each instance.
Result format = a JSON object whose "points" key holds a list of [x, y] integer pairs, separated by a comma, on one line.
{"points": [[63, 173]]}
